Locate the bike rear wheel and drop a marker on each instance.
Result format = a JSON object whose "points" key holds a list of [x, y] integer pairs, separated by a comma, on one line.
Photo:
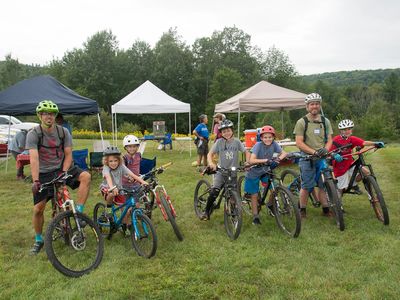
{"points": [[171, 216], [286, 211], [71, 251], [201, 194], [233, 215], [103, 219], [143, 234], [334, 203], [376, 199]]}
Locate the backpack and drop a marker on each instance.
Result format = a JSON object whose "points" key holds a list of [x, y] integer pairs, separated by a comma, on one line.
{"points": [[323, 121], [40, 136]]}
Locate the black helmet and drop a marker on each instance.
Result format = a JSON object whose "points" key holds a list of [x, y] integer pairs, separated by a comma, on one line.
{"points": [[111, 150], [225, 124]]}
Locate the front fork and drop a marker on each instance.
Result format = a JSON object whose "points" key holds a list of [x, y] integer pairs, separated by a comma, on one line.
{"points": [[161, 189]]}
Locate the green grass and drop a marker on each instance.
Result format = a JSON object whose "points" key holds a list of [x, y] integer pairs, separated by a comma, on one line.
{"points": [[360, 263]]}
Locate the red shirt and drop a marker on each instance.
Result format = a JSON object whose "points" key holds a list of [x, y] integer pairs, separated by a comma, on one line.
{"points": [[133, 164], [339, 168]]}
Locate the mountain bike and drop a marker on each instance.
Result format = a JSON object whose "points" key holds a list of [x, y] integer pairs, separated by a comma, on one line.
{"points": [[158, 196], [73, 242], [110, 219], [325, 173], [232, 202], [284, 207], [370, 182]]}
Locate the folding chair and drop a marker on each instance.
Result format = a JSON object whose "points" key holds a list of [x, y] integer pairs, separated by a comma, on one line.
{"points": [[146, 165], [167, 141], [80, 157], [96, 161]]}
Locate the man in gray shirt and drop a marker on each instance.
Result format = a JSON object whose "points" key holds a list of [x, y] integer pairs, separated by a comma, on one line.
{"points": [[228, 149], [16, 147]]}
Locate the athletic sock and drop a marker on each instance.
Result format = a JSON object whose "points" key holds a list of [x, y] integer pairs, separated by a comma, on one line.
{"points": [[38, 238], [80, 207]]}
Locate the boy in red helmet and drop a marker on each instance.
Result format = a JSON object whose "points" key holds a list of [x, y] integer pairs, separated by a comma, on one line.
{"points": [[262, 152]]}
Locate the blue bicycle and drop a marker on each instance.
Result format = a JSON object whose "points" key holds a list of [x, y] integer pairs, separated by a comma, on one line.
{"points": [[110, 219]]}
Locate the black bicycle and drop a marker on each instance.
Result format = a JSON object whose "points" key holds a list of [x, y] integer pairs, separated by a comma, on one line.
{"points": [[232, 202], [329, 182], [73, 243], [284, 207], [371, 185]]}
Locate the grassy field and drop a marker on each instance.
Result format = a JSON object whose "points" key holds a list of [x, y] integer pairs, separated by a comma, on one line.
{"points": [[323, 263]]}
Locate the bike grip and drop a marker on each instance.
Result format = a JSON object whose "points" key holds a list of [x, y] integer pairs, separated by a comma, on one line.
{"points": [[166, 165]]}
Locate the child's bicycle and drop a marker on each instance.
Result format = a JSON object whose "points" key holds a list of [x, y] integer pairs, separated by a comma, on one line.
{"points": [[73, 242], [232, 202], [371, 185], [329, 182], [143, 234], [158, 196], [284, 207]]}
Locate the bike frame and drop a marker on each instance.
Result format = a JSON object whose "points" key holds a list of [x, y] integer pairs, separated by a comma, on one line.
{"points": [[230, 183]]}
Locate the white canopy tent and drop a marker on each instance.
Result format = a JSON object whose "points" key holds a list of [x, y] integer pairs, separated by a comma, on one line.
{"points": [[148, 99], [262, 97]]}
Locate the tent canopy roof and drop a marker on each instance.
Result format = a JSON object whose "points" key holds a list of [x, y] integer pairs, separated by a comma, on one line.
{"points": [[263, 97], [23, 97], [149, 99]]}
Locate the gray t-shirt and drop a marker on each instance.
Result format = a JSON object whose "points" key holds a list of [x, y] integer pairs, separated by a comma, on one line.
{"points": [[116, 175], [17, 144], [263, 151], [228, 152], [51, 152]]}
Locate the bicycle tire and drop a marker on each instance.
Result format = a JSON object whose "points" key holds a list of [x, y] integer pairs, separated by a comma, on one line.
{"points": [[102, 219], [246, 200], [201, 193], [286, 211], [335, 202], [171, 217], [233, 215], [83, 253], [143, 234], [376, 199]]}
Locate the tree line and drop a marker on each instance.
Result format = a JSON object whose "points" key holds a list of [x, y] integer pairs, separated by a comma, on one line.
{"points": [[210, 71]]}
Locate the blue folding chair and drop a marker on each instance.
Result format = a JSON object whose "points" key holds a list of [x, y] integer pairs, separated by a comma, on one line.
{"points": [[167, 141], [80, 157], [146, 165]]}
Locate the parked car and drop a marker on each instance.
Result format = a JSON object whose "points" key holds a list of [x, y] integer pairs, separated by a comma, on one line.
{"points": [[16, 125]]}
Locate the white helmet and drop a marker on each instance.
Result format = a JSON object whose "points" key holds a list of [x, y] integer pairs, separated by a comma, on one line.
{"points": [[345, 124], [314, 97], [130, 140]]}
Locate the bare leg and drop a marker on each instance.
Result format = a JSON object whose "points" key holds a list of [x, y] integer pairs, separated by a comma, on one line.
{"points": [[322, 197], [84, 187], [303, 198], [254, 204], [38, 218]]}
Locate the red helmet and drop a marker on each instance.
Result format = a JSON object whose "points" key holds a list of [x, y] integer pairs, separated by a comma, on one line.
{"points": [[267, 129]]}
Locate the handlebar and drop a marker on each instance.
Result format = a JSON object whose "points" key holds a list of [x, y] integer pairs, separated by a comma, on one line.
{"points": [[210, 171], [59, 179], [157, 171], [294, 155], [361, 151]]}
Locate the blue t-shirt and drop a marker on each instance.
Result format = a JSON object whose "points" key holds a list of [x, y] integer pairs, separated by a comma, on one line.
{"points": [[202, 130], [263, 151]]}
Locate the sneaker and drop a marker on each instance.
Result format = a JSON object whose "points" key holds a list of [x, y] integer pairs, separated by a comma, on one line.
{"points": [[21, 177], [303, 214], [328, 214], [356, 190], [37, 246], [256, 221]]}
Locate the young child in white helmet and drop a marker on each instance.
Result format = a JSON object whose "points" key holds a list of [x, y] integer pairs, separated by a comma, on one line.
{"points": [[131, 158]]}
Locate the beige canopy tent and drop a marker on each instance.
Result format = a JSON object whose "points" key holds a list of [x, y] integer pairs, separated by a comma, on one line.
{"points": [[262, 97]]}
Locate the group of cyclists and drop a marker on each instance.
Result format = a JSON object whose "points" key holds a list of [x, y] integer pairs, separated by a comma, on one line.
{"points": [[50, 150]]}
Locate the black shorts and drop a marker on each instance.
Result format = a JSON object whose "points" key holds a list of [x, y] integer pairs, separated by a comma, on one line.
{"points": [[48, 193], [203, 149]]}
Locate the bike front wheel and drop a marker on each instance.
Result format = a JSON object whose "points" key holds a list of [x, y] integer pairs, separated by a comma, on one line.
{"points": [[233, 215], [286, 211], [171, 216], [103, 219], [74, 244], [143, 234], [201, 194], [334, 203], [376, 199]]}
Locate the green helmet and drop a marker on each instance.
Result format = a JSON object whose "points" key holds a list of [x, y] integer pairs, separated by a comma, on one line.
{"points": [[47, 106]]}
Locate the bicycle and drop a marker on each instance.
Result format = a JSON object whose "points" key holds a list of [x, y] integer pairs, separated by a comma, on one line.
{"points": [[158, 196], [143, 234], [73, 242], [232, 202], [371, 185], [284, 207], [329, 182]]}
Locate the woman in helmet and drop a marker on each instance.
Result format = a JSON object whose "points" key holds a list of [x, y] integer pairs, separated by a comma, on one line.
{"points": [[342, 167], [50, 151], [113, 173], [132, 158], [227, 148], [262, 152]]}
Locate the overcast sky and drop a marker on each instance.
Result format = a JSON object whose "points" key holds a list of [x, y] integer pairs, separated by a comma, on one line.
{"points": [[317, 35]]}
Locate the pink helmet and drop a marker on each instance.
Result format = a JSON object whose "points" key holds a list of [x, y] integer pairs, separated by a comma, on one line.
{"points": [[267, 129]]}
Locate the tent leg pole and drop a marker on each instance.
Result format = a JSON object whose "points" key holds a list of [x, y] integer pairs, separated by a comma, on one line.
{"points": [[190, 143], [101, 130], [175, 122], [239, 124], [283, 128]]}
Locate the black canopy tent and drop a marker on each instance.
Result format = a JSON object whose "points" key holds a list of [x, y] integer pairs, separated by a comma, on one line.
{"points": [[23, 97]]}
